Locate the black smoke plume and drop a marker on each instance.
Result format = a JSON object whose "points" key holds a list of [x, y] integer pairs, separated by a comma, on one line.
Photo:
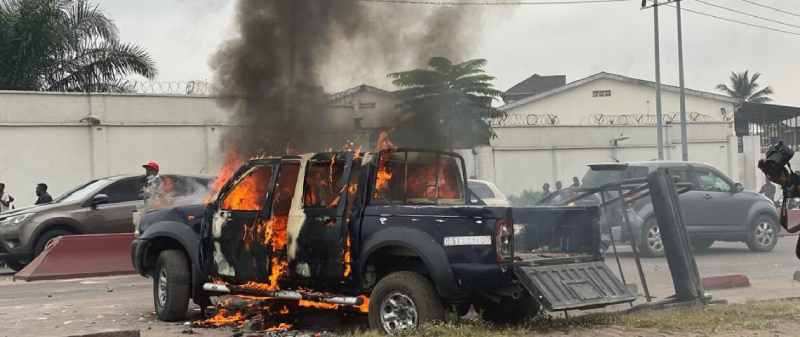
{"points": [[271, 75]]}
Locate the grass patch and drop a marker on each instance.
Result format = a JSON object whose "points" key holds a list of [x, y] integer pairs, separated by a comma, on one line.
{"points": [[709, 319]]}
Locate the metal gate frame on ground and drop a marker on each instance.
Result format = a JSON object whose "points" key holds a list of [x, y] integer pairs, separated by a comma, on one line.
{"points": [[664, 196]]}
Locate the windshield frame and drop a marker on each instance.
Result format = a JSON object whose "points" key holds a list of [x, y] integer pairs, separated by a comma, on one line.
{"points": [[99, 183]]}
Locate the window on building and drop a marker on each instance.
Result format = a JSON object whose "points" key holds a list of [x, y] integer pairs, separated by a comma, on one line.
{"points": [[366, 106], [601, 93]]}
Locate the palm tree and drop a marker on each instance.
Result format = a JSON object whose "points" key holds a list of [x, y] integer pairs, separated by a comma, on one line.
{"points": [[745, 88], [64, 45], [446, 105]]}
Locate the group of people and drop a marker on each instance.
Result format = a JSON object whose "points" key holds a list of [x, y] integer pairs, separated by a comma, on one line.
{"points": [[7, 201], [547, 193]]}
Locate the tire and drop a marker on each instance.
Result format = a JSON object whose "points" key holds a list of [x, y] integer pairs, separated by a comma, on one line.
{"points": [[44, 239], [171, 286], [650, 244], [702, 245], [15, 265], [406, 295], [509, 310], [763, 234]]}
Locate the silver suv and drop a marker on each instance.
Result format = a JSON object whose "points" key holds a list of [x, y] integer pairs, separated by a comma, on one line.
{"points": [[715, 209]]}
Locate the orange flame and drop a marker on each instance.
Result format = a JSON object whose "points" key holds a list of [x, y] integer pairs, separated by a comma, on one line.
{"points": [[233, 160], [347, 257], [223, 318]]}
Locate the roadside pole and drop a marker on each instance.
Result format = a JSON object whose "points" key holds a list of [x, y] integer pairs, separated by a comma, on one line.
{"points": [[659, 125], [684, 135]]}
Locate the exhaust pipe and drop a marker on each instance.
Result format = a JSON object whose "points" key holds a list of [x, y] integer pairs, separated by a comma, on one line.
{"points": [[342, 300]]}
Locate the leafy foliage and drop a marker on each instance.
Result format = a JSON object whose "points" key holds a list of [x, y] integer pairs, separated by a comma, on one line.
{"points": [[64, 45], [745, 88], [446, 105]]}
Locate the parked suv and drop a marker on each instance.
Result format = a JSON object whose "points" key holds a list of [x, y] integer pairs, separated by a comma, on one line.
{"points": [[102, 205], [715, 208]]}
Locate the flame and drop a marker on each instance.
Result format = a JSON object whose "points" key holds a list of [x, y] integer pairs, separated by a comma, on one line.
{"points": [[249, 194], [224, 318], [280, 327], [233, 160], [364, 307], [318, 305], [384, 143], [346, 256]]}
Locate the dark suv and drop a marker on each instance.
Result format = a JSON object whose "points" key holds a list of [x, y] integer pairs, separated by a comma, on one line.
{"points": [[103, 205], [715, 208]]}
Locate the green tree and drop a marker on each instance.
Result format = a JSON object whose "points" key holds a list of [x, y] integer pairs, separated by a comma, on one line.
{"points": [[64, 45], [446, 105], [745, 88]]}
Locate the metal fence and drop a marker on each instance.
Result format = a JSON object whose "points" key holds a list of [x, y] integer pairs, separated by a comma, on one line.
{"points": [[183, 88]]}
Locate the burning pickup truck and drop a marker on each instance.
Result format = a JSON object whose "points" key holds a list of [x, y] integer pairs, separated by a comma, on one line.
{"points": [[396, 234]]}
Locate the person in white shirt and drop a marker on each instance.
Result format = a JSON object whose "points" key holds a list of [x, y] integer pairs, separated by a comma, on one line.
{"points": [[6, 200]]}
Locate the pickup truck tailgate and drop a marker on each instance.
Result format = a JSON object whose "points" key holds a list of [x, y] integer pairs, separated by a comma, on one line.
{"points": [[582, 285]]}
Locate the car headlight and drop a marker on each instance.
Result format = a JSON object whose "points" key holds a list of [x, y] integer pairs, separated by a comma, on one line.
{"points": [[16, 220]]}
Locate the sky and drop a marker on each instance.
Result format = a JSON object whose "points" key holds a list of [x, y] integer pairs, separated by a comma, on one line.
{"points": [[518, 41]]}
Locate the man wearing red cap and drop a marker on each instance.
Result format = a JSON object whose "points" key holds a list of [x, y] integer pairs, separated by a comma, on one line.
{"points": [[152, 182]]}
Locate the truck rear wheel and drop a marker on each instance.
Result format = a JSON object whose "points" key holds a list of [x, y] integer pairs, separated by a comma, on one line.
{"points": [[509, 310], [403, 300], [171, 285]]}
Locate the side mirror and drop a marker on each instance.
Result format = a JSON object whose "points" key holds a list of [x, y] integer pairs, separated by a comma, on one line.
{"points": [[99, 199], [738, 187]]}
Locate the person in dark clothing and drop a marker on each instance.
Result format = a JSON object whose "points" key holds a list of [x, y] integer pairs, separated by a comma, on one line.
{"points": [[575, 182], [558, 185], [42, 197], [545, 190]]}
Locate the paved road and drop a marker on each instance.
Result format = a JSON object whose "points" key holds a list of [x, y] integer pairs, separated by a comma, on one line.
{"points": [[64, 308]]}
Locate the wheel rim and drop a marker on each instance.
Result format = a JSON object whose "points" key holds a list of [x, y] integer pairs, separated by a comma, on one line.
{"points": [[162, 288], [764, 233], [398, 312], [654, 239]]}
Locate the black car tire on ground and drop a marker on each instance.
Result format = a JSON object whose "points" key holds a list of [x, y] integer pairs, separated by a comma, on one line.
{"points": [[701, 245], [403, 300], [44, 239], [15, 265], [509, 310], [763, 234], [650, 244], [171, 285]]}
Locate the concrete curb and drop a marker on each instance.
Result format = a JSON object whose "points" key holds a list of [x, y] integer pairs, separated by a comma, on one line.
{"points": [[725, 282]]}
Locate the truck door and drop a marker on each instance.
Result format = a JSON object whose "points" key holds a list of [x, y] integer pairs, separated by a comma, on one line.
{"points": [[239, 251], [323, 237]]}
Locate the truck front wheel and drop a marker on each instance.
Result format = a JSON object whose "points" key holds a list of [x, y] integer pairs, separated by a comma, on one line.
{"points": [[403, 300], [509, 310], [171, 285]]}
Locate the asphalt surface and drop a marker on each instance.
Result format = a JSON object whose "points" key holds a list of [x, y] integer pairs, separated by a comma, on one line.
{"points": [[74, 307]]}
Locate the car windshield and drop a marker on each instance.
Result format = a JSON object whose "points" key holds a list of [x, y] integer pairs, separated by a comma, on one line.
{"points": [[599, 176], [481, 190], [82, 191]]}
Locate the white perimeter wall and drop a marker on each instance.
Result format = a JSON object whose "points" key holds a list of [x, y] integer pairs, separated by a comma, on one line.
{"points": [[42, 137], [523, 158]]}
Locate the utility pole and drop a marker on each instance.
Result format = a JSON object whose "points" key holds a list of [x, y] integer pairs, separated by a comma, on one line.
{"points": [[659, 118], [684, 135], [659, 122]]}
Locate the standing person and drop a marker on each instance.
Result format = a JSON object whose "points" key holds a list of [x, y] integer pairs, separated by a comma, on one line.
{"points": [[152, 183], [545, 190], [42, 197], [6, 200], [575, 182], [559, 185]]}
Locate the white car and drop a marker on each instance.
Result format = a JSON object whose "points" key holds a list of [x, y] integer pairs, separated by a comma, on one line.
{"points": [[488, 193]]}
